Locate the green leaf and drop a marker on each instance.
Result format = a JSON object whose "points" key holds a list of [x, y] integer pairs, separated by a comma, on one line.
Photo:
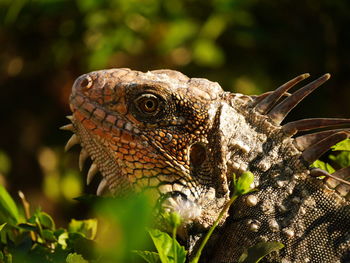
{"points": [[62, 239], [342, 159], [342, 146], [45, 220], [75, 258], [48, 235], [324, 166], [122, 231], [82, 245], [172, 219], [8, 208], [164, 245], [2, 226], [87, 228], [150, 257], [255, 253], [242, 186], [28, 227]]}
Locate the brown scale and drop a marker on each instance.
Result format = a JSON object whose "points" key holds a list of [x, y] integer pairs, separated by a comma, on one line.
{"points": [[122, 149]]}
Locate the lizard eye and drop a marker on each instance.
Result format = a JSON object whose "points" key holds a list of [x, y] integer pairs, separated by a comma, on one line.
{"points": [[148, 103]]}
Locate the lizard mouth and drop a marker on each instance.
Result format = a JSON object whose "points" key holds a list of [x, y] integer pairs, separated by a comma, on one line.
{"points": [[111, 141], [80, 134]]}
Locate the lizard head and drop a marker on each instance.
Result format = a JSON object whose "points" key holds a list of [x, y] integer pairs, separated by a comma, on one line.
{"points": [[152, 131], [181, 139]]}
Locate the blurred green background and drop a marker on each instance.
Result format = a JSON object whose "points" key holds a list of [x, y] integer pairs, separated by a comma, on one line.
{"points": [[248, 46]]}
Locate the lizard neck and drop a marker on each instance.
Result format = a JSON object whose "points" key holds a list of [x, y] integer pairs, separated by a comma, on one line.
{"points": [[250, 142]]}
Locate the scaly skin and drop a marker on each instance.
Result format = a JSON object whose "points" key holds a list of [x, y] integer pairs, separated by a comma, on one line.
{"points": [[181, 139]]}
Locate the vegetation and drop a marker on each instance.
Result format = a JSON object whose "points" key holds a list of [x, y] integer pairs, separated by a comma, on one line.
{"points": [[34, 238]]}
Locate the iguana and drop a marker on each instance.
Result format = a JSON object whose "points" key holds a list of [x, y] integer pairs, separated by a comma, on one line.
{"points": [[182, 139]]}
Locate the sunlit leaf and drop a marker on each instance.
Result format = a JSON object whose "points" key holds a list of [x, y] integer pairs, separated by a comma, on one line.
{"points": [[45, 220], [48, 235], [324, 166], [2, 226], [255, 253], [164, 245], [8, 208], [172, 219], [342, 158], [150, 257], [62, 239], [342, 146], [244, 181], [87, 227], [75, 258]]}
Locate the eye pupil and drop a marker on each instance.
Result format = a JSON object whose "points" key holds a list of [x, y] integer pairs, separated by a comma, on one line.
{"points": [[149, 105]]}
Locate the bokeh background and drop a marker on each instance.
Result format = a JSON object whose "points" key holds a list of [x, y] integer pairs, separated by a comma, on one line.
{"points": [[248, 46]]}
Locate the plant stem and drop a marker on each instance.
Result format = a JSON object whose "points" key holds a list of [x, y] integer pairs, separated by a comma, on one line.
{"points": [[211, 230], [26, 207], [174, 243]]}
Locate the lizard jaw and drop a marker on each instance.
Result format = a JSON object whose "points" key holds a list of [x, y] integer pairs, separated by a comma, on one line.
{"points": [[83, 156], [184, 204]]}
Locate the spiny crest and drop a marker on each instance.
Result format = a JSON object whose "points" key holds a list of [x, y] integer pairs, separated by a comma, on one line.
{"points": [[312, 145]]}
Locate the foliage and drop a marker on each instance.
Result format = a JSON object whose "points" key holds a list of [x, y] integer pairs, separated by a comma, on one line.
{"points": [[170, 251], [257, 252], [324, 166], [35, 238], [168, 248], [342, 146], [8, 208], [340, 157]]}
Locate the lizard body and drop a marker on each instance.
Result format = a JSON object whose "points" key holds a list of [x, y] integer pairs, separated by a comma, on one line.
{"points": [[182, 138]]}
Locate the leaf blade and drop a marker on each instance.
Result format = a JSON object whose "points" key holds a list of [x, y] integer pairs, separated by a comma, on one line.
{"points": [[8, 209], [257, 252], [149, 256]]}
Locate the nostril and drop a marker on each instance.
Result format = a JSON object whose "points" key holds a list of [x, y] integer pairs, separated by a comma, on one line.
{"points": [[86, 82]]}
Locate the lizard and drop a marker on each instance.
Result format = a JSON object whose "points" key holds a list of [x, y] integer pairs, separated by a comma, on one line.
{"points": [[182, 138]]}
